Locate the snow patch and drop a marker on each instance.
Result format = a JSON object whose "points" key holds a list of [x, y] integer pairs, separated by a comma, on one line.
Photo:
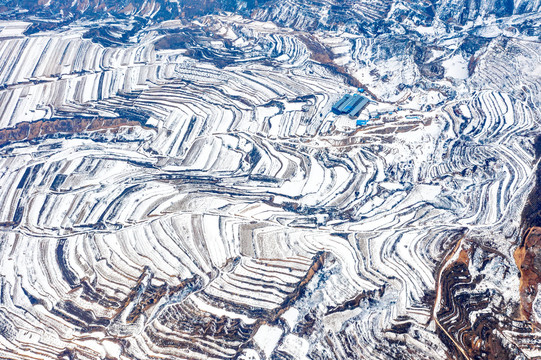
{"points": [[267, 338], [456, 67]]}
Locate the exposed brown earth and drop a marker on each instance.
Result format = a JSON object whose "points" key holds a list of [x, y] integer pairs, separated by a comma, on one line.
{"points": [[466, 320], [324, 56], [33, 130], [528, 254], [470, 322], [528, 260]]}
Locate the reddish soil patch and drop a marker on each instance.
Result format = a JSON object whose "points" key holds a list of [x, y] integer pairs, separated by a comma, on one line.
{"points": [[528, 259]]}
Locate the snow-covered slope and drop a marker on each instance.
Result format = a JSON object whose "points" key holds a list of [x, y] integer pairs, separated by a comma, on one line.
{"points": [[181, 189]]}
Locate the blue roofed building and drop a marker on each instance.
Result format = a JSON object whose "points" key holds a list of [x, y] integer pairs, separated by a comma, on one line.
{"points": [[361, 122], [350, 104], [356, 111], [336, 107]]}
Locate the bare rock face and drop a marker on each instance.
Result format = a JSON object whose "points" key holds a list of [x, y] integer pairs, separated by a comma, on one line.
{"points": [[175, 185]]}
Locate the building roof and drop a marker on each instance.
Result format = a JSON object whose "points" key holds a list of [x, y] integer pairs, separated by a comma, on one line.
{"points": [[351, 104], [336, 107], [359, 107]]}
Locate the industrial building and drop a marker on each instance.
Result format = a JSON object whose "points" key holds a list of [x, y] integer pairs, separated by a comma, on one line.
{"points": [[350, 104]]}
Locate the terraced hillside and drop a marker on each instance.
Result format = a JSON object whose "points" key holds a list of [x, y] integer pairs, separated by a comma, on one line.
{"points": [[174, 184]]}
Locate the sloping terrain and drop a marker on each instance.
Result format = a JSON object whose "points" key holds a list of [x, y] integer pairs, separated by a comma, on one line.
{"points": [[174, 184]]}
